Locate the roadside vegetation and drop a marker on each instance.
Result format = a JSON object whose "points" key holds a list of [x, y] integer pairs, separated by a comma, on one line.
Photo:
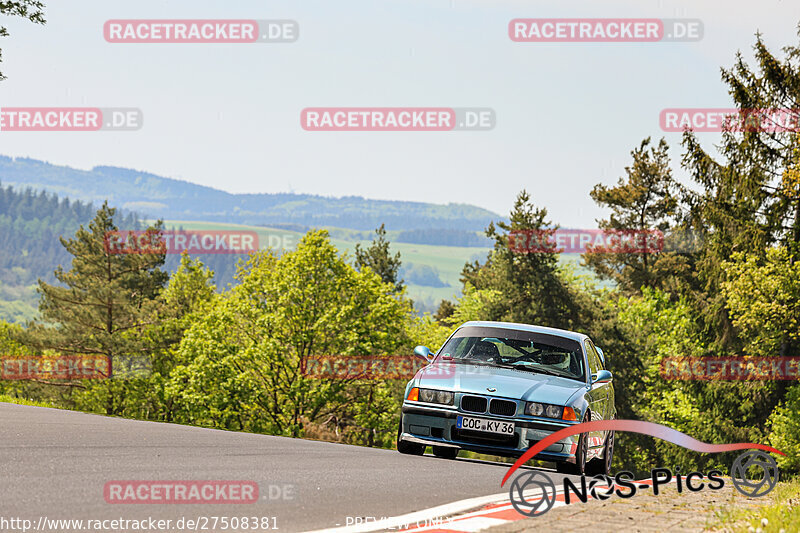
{"points": [[233, 359], [780, 515], [22, 401]]}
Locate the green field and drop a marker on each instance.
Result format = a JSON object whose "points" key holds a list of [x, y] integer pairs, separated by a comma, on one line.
{"points": [[447, 260]]}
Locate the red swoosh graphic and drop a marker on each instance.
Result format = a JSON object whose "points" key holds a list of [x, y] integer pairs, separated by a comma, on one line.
{"points": [[634, 426]]}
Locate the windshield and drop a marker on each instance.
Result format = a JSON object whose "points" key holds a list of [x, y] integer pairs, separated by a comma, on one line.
{"points": [[523, 350]]}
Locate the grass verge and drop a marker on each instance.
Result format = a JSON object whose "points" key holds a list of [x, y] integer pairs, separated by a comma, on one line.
{"points": [[781, 514], [4, 398]]}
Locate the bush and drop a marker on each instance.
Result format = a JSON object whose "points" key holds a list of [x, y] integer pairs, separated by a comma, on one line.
{"points": [[785, 430]]}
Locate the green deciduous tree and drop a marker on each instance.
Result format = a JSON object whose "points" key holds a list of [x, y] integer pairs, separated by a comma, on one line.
{"points": [[763, 296], [657, 327], [475, 304], [242, 362], [784, 427], [189, 294]]}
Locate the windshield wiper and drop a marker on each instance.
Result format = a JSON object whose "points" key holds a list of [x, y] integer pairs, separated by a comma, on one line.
{"points": [[540, 370], [467, 361], [534, 367], [482, 363]]}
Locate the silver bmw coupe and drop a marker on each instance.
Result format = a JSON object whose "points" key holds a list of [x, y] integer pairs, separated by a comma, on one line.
{"points": [[498, 388]]}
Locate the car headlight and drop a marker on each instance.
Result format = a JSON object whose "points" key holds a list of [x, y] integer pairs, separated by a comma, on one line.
{"points": [[544, 409], [436, 396]]}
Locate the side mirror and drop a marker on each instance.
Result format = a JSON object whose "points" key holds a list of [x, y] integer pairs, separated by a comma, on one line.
{"points": [[602, 355], [604, 376], [424, 352]]}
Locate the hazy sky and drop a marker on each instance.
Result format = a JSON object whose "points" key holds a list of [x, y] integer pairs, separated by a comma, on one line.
{"points": [[228, 115]]}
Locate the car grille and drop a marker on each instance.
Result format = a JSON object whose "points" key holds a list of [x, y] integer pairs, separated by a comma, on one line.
{"points": [[503, 407], [473, 404]]}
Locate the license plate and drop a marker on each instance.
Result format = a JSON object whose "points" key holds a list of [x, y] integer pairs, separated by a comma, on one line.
{"points": [[484, 424]]}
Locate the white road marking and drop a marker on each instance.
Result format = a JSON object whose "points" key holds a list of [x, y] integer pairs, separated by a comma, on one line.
{"points": [[478, 523], [426, 516], [430, 519]]}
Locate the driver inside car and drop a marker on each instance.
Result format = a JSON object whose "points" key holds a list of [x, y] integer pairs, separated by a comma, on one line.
{"points": [[484, 351]]}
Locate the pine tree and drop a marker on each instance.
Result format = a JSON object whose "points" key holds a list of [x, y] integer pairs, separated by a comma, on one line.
{"points": [[534, 289], [380, 260], [103, 303], [643, 204], [444, 311], [749, 201]]}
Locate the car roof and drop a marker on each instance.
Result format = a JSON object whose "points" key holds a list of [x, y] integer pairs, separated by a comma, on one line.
{"points": [[528, 327]]}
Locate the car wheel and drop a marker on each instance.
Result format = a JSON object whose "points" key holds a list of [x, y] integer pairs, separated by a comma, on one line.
{"points": [[408, 448], [445, 452], [579, 467], [602, 466], [608, 454]]}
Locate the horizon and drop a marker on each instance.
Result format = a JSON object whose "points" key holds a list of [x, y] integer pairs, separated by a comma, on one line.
{"points": [[219, 189]]}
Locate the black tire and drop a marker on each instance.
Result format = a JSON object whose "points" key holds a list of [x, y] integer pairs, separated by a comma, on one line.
{"points": [[445, 452], [408, 448], [602, 466], [579, 467], [608, 454]]}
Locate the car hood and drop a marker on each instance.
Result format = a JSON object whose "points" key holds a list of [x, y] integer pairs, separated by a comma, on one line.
{"points": [[516, 384]]}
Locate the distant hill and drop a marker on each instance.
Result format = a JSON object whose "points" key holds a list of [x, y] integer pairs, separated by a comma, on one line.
{"points": [[158, 197], [30, 226]]}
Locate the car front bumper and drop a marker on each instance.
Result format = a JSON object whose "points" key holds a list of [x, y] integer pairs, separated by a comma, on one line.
{"points": [[436, 426]]}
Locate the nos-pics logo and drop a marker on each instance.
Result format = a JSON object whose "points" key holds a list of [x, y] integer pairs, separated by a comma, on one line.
{"points": [[753, 473]]}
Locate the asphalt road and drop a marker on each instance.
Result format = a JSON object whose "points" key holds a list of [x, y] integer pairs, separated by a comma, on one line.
{"points": [[55, 464]]}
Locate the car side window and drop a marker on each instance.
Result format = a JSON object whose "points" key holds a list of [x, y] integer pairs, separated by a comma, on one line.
{"points": [[601, 361], [594, 358]]}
